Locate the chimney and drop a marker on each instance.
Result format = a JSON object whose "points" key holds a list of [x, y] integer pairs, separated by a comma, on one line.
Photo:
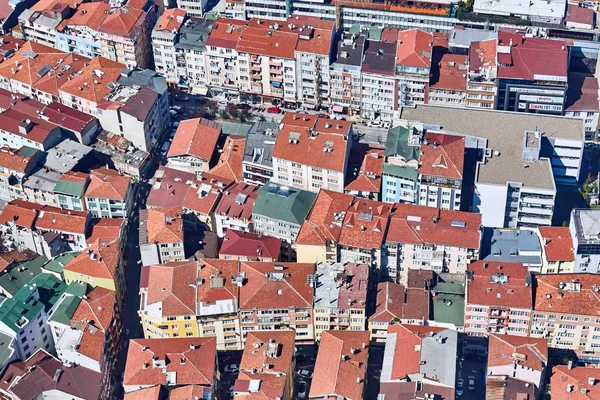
{"points": [[570, 365]]}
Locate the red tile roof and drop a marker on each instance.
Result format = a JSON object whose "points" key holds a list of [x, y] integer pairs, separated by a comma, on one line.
{"points": [[21, 213], [105, 228], [482, 55], [516, 293], [124, 21], [11, 119], [17, 369], [319, 226], [414, 48], [89, 15], [23, 67], [311, 147], [569, 384], [211, 269], [169, 285], [107, 184], [54, 79], [580, 15], [250, 245], [396, 301], [263, 41], [170, 188], [163, 225], [452, 73], [368, 178], [192, 360], [442, 156], [364, 224], [568, 293], [195, 137], [523, 351], [225, 33], [270, 286], [189, 392], [9, 258], [203, 198], [150, 393], [427, 225], [56, 219], [275, 348], [230, 161], [91, 82], [557, 242], [100, 260], [10, 159], [238, 201], [271, 387], [582, 93], [171, 20], [67, 117], [341, 365], [528, 56]]}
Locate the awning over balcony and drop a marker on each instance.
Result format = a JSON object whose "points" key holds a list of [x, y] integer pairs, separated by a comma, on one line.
{"points": [[201, 90]]}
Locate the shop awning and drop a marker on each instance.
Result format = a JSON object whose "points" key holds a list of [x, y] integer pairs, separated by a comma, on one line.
{"points": [[201, 90], [337, 109], [310, 106]]}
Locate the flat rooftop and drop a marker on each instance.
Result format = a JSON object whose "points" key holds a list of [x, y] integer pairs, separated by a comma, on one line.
{"points": [[503, 132], [65, 155]]}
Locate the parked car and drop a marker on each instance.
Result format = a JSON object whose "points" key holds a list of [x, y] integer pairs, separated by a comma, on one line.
{"points": [[301, 111], [173, 113], [177, 109], [375, 124], [222, 104], [182, 97], [175, 125], [302, 389], [459, 387], [233, 368], [243, 107], [305, 374], [471, 383], [273, 110]]}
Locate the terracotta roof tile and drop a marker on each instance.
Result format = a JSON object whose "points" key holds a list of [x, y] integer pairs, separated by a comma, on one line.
{"points": [[195, 137], [107, 184], [22, 213], [26, 66], [105, 228], [199, 355], [250, 245], [452, 73], [171, 20], [443, 155], [271, 386], [238, 201], [396, 301], [230, 161], [91, 82], [225, 33], [11, 120], [268, 287], [557, 242], [368, 178], [53, 80], [12, 159], [568, 293], [90, 15], [319, 226], [189, 392], [100, 260], [124, 21], [150, 393], [263, 41], [533, 353], [170, 188], [334, 376], [259, 347], [516, 293], [482, 55], [365, 224], [212, 268], [204, 198], [576, 379], [414, 48], [56, 219], [168, 285], [163, 225]]}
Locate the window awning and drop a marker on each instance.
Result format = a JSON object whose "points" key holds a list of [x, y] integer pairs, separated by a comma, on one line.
{"points": [[276, 84], [338, 109], [201, 90]]}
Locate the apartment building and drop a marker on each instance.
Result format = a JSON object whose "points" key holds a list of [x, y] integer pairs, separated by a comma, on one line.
{"points": [[345, 74], [165, 36], [70, 190], [401, 164], [499, 299], [15, 166], [200, 202], [575, 380], [340, 297], [109, 194], [244, 246], [565, 312], [217, 67], [267, 366], [279, 211], [341, 366], [18, 130], [378, 85], [483, 71], [234, 210], [193, 146], [230, 163], [523, 359], [583, 227], [432, 358], [18, 218], [79, 32], [448, 85], [536, 88], [258, 153], [125, 35], [313, 57], [61, 230], [75, 124], [582, 102], [172, 362], [557, 250], [277, 296], [521, 173], [161, 235], [397, 304], [413, 66], [39, 25], [367, 174], [312, 153], [430, 238], [276, 10]]}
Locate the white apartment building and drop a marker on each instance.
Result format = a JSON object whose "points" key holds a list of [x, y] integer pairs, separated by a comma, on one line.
{"points": [[277, 10], [378, 82], [582, 102], [164, 38], [345, 76], [481, 78]]}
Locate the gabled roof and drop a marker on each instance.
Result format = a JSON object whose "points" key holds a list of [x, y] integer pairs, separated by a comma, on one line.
{"points": [[229, 165], [276, 285], [570, 383], [124, 21], [149, 393], [318, 226], [364, 224], [256, 386], [16, 159], [161, 225], [485, 289], [56, 219], [568, 293], [522, 351], [368, 176], [171, 20], [17, 369], [92, 82], [250, 245], [106, 228], [397, 301], [185, 361], [195, 137], [482, 55], [202, 199], [169, 290], [442, 156], [414, 48], [557, 243], [219, 269], [89, 15], [100, 260], [275, 348], [190, 392], [238, 201], [30, 59], [341, 365]]}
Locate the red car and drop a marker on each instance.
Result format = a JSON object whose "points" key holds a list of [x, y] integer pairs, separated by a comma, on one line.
{"points": [[273, 110]]}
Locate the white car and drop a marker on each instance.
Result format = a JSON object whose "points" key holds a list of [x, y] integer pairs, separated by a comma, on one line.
{"points": [[222, 104], [301, 389], [459, 387], [375, 124], [305, 374], [471, 383], [233, 368], [177, 109]]}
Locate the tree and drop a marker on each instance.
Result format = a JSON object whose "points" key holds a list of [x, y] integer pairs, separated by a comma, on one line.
{"points": [[224, 114], [232, 110]]}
